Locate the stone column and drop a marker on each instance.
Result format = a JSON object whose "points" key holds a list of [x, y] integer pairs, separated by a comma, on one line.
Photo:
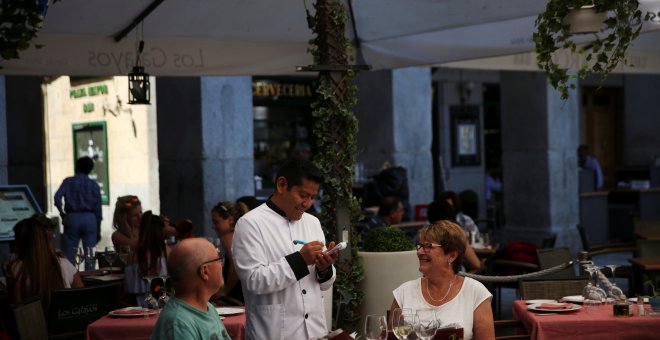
{"points": [[3, 133], [205, 137], [394, 113], [539, 142]]}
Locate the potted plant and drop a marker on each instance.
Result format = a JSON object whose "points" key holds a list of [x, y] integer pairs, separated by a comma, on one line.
{"points": [[654, 299], [620, 23], [388, 259]]}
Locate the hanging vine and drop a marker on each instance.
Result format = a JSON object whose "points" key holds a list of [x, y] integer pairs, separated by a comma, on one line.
{"points": [[336, 131]]}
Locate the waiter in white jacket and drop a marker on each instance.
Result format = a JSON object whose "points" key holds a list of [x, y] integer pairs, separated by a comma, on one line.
{"points": [[280, 258]]}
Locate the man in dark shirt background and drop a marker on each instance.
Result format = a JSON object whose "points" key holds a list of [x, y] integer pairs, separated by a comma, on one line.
{"points": [[81, 211]]}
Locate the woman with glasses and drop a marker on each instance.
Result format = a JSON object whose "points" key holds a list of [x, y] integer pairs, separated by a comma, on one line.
{"points": [[38, 269], [455, 299]]}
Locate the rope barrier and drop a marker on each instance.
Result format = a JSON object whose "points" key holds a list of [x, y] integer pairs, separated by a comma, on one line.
{"points": [[514, 278]]}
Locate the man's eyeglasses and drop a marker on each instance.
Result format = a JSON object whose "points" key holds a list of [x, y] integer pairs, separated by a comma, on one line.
{"points": [[427, 246], [210, 261]]}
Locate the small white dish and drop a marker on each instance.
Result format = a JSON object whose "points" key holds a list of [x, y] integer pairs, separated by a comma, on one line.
{"points": [[229, 310], [535, 307], [539, 301], [133, 312]]}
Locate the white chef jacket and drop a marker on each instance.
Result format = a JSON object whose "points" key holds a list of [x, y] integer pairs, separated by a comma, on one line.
{"points": [[282, 294]]}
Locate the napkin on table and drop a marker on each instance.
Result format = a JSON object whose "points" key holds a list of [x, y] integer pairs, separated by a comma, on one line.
{"points": [[555, 306]]}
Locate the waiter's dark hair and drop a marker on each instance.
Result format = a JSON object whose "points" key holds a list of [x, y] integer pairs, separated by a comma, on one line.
{"points": [[84, 165], [295, 169]]}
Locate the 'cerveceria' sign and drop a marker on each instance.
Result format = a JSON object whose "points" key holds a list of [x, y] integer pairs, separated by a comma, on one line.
{"points": [[265, 88]]}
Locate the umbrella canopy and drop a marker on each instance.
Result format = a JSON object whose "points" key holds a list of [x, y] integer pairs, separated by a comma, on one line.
{"points": [[242, 37]]}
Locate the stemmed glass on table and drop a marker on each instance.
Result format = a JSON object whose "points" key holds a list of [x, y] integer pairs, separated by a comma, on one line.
{"points": [[403, 322], [110, 256], [426, 323], [152, 281], [90, 258], [592, 293], [375, 327], [124, 252], [79, 256], [614, 291]]}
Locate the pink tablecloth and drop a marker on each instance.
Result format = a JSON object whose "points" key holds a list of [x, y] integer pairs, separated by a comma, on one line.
{"points": [[111, 328], [586, 324]]}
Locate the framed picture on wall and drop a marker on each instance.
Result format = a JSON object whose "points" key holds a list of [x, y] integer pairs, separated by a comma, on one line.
{"points": [[90, 139], [465, 135]]}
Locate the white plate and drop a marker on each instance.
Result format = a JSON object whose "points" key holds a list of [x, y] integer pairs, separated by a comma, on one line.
{"points": [[539, 301], [573, 298], [229, 310], [535, 308], [646, 300], [133, 312]]}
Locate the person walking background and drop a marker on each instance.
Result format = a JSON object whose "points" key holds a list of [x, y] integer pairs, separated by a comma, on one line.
{"points": [[79, 202]]}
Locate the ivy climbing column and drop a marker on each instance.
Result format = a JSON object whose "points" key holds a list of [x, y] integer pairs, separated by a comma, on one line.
{"points": [[336, 134]]}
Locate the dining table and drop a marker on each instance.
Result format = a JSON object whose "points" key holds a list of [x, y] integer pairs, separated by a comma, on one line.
{"points": [[648, 233], [591, 323], [140, 327]]}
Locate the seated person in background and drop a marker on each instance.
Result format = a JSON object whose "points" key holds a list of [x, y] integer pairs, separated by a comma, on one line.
{"points": [[587, 162], [195, 270], [390, 211], [148, 259], [455, 298], [249, 203], [224, 216], [443, 210], [463, 220], [184, 230], [126, 221], [37, 269]]}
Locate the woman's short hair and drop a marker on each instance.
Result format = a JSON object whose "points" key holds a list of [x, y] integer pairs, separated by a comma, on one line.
{"points": [[448, 234]]}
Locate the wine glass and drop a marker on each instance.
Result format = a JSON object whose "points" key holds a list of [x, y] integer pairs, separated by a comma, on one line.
{"points": [[614, 291], [592, 293], [375, 327], [79, 256], [124, 251], [110, 256], [402, 322], [90, 258], [427, 324], [153, 289]]}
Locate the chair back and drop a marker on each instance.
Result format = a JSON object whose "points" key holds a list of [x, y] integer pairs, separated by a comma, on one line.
{"points": [[549, 241], [551, 257], [647, 248], [73, 309], [30, 319], [543, 288]]}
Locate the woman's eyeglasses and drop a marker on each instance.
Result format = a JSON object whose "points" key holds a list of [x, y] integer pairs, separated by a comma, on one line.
{"points": [[427, 246]]}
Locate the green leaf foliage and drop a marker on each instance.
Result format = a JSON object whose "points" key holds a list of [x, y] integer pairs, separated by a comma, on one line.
{"points": [[603, 55], [20, 21], [386, 239], [336, 127]]}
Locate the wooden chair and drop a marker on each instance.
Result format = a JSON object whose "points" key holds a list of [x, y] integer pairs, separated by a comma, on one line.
{"points": [[73, 309], [30, 319], [551, 288], [551, 257]]}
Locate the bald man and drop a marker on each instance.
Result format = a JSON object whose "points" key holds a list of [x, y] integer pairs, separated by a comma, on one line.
{"points": [[196, 273]]}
